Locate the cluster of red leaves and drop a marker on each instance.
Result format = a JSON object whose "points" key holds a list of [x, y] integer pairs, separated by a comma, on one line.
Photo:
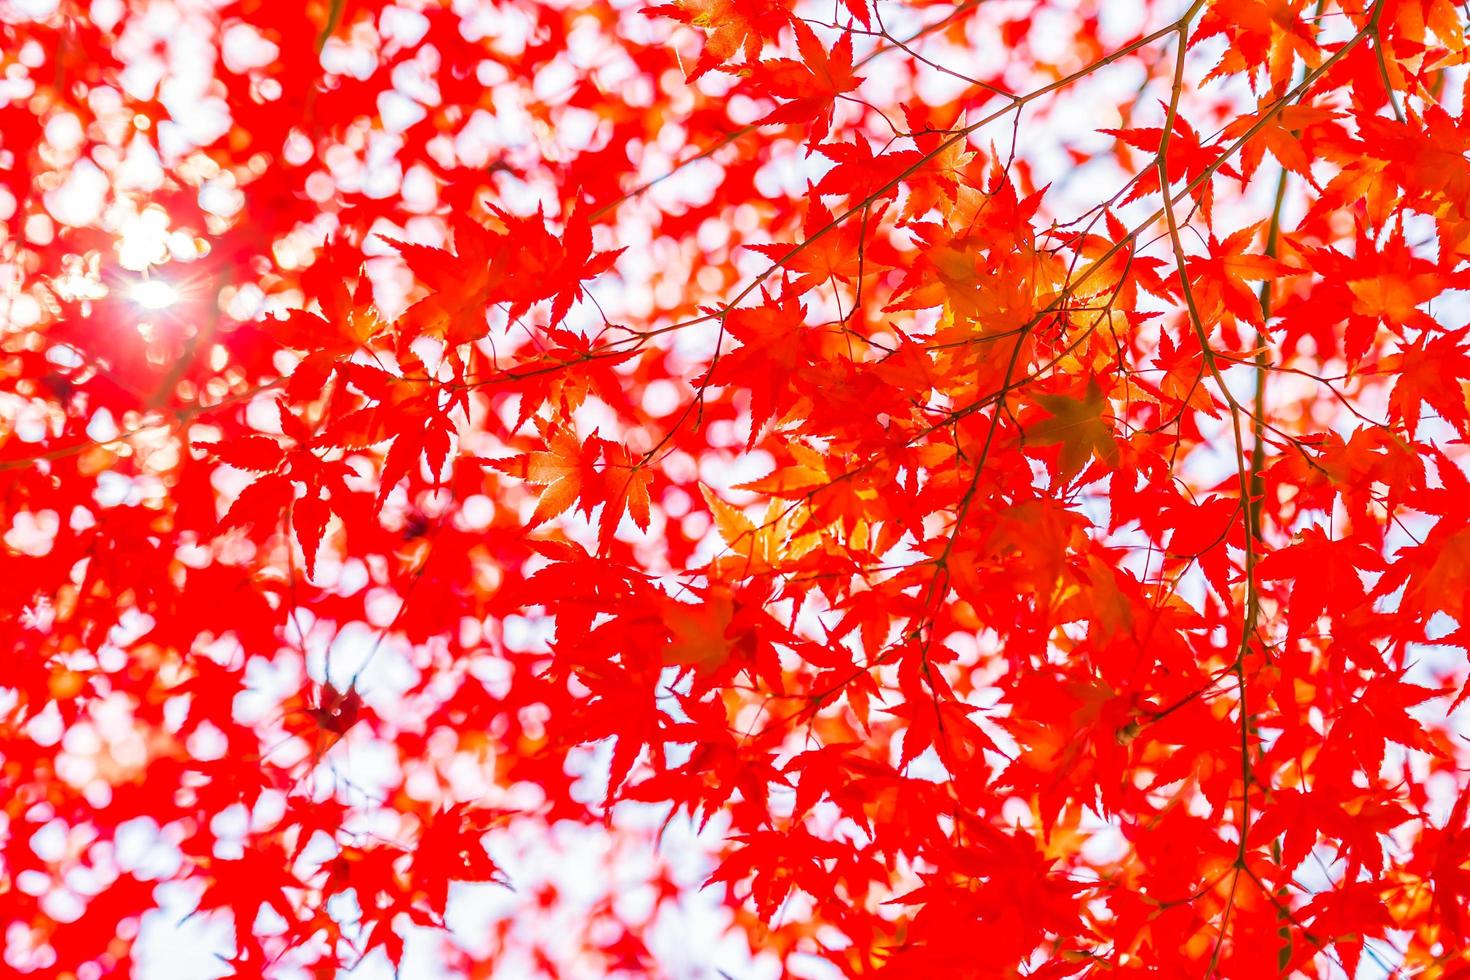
{"points": [[1021, 548]]}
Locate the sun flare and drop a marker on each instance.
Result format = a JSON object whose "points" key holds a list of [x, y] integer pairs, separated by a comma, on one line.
{"points": [[153, 294]]}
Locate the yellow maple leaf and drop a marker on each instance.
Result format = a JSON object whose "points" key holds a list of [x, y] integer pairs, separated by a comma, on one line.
{"points": [[1076, 424]]}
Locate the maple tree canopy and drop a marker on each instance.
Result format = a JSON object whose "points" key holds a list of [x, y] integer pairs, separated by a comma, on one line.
{"points": [[896, 489]]}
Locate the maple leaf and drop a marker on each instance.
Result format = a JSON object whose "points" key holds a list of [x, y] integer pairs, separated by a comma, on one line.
{"points": [[1187, 162], [1431, 371], [337, 710], [1361, 730], [1435, 572], [1395, 283], [1183, 381], [756, 547], [1441, 859], [836, 255], [823, 772], [698, 630], [945, 725], [565, 470], [627, 482], [769, 353], [547, 267], [246, 885], [860, 175], [771, 882], [1219, 280], [1204, 531], [309, 515], [1000, 286], [260, 504], [514, 260], [1287, 132], [809, 86], [348, 322], [1349, 915], [733, 26], [1325, 576], [461, 284], [257, 454], [451, 848], [1358, 824], [1076, 425], [1269, 34]]}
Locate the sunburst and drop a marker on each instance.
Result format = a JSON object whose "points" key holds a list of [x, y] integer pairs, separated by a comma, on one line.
{"points": [[153, 294]]}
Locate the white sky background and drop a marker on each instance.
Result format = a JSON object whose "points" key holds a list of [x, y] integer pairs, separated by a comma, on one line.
{"points": [[584, 862]]}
